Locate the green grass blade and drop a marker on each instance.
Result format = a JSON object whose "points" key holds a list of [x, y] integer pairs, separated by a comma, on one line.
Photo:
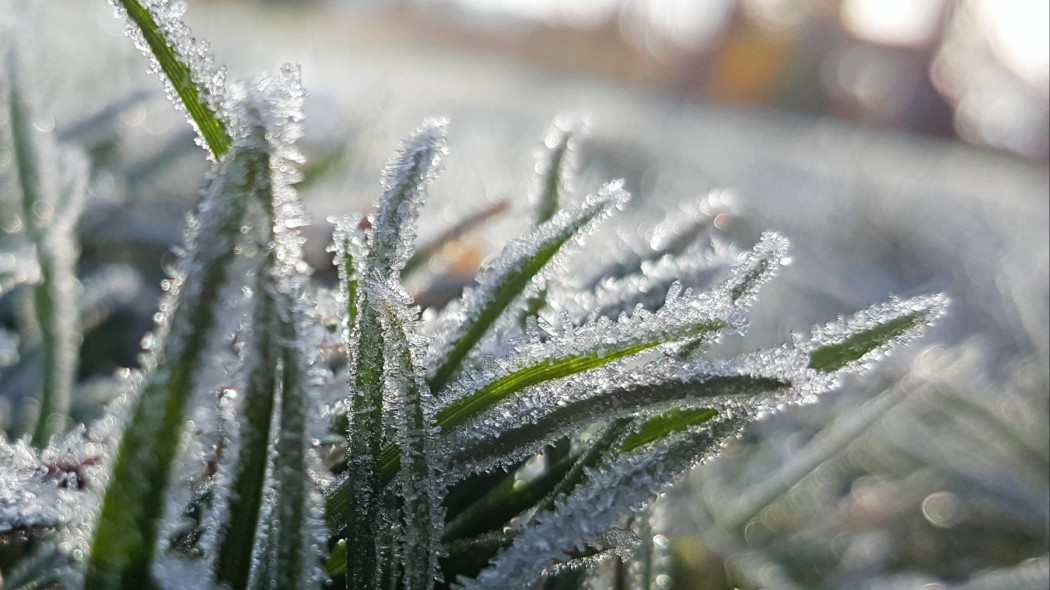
{"points": [[588, 459], [419, 508], [233, 564], [127, 528], [405, 179], [661, 425], [48, 217], [832, 357], [350, 247], [290, 474], [848, 342], [621, 400], [508, 277], [179, 72], [594, 507], [465, 408], [505, 501], [363, 452], [682, 318]]}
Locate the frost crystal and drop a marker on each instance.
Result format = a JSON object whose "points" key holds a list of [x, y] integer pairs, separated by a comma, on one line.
{"points": [[683, 317], [592, 510], [205, 77], [405, 386], [405, 179], [526, 259]]}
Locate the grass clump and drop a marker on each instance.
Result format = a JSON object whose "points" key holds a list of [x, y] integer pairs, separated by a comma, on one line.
{"points": [[501, 441]]}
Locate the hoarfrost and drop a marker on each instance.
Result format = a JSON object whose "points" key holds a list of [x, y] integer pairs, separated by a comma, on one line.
{"points": [[593, 508], [58, 488], [405, 385], [746, 386], [268, 114], [404, 182], [683, 316], [474, 307], [891, 324], [350, 246], [208, 79], [756, 268]]}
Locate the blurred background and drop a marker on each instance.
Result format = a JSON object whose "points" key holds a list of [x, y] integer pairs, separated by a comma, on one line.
{"points": [[902, 147], [971, 69]]}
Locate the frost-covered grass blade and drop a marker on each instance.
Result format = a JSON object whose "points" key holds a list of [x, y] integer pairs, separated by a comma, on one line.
{"points": [[233, 564], [507, 278], [188, 76], [405, 179], [864, 335], [585, 350], [53, 187], [291, 568], [420, 509], [124, 540], [661, 425], [365, 442]]}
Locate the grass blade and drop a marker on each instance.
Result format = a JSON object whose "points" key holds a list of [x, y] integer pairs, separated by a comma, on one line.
{"points": [[233, 565], [623, 399], [289, 468], [420, 507], [848, 343], [49, 215], [364, 445], [186, 76], [505, 501], [127, 529], [588, 459], [662, 425], [405, 179], [593, 508], [683, 317], [503, 282]]}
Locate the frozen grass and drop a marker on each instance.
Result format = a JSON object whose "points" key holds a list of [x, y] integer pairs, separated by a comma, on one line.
{"points": [[414, 414]]}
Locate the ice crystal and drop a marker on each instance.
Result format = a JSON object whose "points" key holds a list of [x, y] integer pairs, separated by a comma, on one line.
{"points": [[158, 31], [499, 285], [590, 511], [405, 385], [405, 179]]}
